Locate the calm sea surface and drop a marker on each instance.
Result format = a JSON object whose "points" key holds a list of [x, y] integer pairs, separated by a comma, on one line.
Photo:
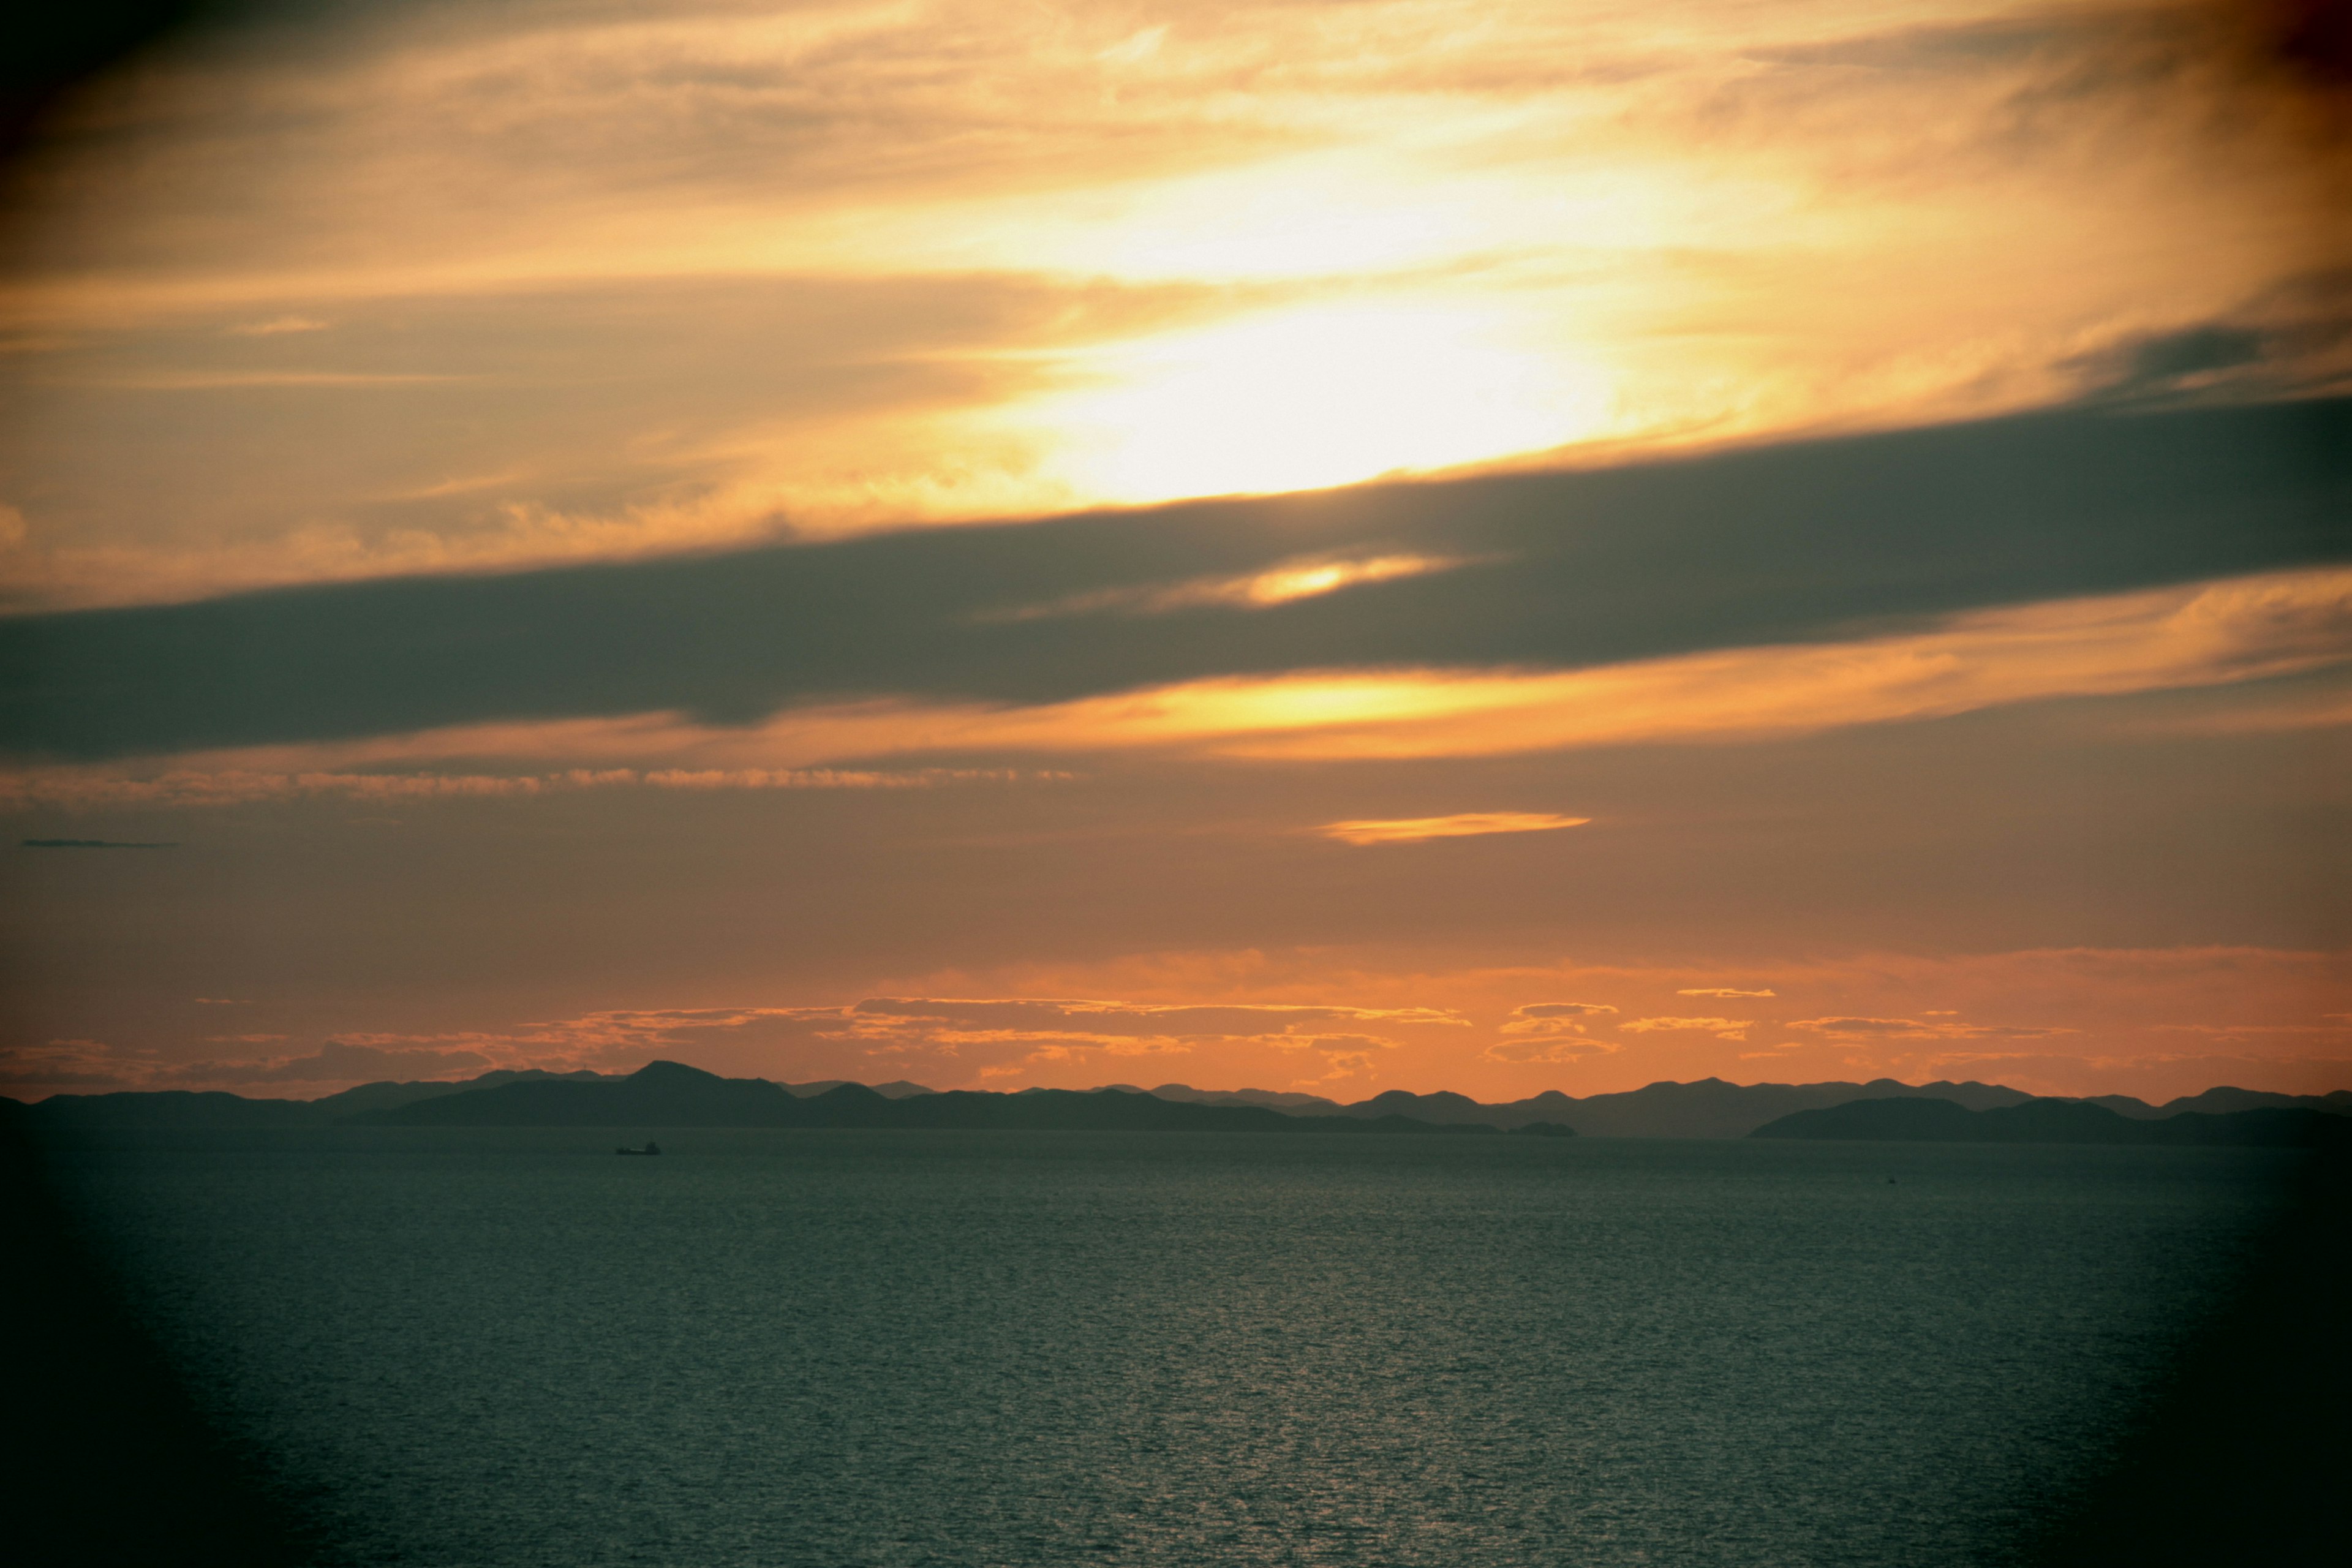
{"points": [[900, 1348]]}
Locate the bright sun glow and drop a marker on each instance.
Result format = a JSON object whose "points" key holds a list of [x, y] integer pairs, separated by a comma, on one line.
{"points": [[1313, 396]]}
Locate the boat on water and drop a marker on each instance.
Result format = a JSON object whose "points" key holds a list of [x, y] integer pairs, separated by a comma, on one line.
{"points": [[651, 1148]]}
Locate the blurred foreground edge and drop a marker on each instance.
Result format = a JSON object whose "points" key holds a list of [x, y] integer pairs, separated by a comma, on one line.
{"points": [[107, 1459], [2242, 1456]]}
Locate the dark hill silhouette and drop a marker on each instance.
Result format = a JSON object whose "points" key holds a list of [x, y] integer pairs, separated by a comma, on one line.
{"points": [[169, 1108], [664, 1094], [2338, 1101], [897, 1089], [1709, 1108], [385, 1094], [1273, 1099], [2225, 1098], [1714, 1109], [670, 1094], [2059, 1122]]}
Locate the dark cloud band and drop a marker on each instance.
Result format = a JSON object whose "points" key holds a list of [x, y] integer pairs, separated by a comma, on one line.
{"points": [[1791, 542]]}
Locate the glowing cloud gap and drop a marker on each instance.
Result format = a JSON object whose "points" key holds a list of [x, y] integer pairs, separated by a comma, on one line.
{"points": [[1280, 585]]}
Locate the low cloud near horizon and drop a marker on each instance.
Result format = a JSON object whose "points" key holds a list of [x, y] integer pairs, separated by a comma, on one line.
{"points": [[2119, 1017]]}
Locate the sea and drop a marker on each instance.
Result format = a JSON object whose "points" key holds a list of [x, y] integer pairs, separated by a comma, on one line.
{"points": [[473, 1347]]}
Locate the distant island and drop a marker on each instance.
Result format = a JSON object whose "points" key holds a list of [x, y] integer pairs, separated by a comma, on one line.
{"points": [[672, 1094], [1918, 1121]]}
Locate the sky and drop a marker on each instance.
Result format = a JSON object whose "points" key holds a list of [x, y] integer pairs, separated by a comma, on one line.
{"points": [[1324, 546]]}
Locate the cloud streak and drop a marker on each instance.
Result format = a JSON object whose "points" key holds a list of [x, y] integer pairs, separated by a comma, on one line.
{"points": [[93, 788], [1721, 1028], [2198, 635], [1918, 1029], [1960, 526], [1279, 585], [1461, 825]]}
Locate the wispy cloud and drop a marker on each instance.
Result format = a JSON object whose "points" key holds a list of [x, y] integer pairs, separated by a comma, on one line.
{"points": [[1567, 1049], [2207, 634], [1280, 585], [245, 380], [1555, 1032], [1542, 1011], [278, 326], [1726, 991], [1946, 1029], [1721, 1028], [180, 786], [94, 1065], [1463, 824]]}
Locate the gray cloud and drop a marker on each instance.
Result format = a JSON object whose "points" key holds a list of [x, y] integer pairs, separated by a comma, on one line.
{"points": [[91, 843], [1800, 542], [2294, 340]]}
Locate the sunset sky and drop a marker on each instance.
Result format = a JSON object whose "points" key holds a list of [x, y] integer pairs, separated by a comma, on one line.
{"points": [[1327, 546]]}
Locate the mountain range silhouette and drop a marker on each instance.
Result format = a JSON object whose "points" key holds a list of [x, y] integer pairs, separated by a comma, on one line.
{"points": [[2063, 1122], [671, 1094]]}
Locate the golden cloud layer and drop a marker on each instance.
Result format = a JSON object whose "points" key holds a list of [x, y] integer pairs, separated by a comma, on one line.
{"points": [[459, 288]]}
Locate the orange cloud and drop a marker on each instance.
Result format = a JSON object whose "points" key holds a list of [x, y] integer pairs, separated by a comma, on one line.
{"points": [[1413, 236], [2094, 1020], [1721, 1028], [1550, 1032], [1471, 824], [276, 326], [1913, 1029], [2156, 1023], [1544, 1014], [1557, 1049]]}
